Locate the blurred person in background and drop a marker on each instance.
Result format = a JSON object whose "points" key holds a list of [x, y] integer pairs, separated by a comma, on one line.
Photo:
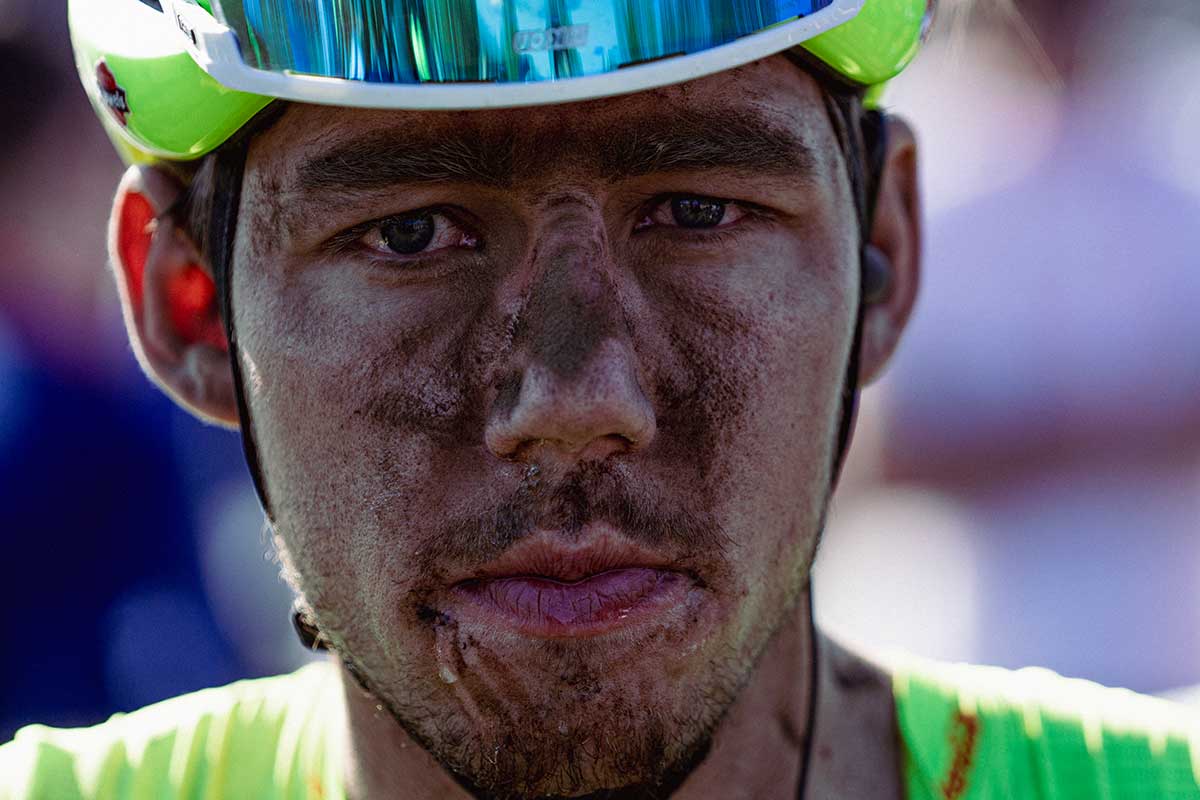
{"points": [[93, 479], [1041, 432]]}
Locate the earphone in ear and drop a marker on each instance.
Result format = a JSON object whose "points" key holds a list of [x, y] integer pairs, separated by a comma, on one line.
{"points": [[310, 635], [877, 275]]}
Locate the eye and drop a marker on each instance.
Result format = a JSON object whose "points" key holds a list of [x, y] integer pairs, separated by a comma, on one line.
{"points": [[698, 212], [412, 234], [692, 211]]}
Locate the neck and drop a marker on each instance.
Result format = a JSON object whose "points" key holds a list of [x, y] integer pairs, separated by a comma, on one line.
{"points": [[759, 750]]}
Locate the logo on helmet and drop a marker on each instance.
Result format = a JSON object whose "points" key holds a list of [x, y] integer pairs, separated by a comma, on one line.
{"points": [[187, 29], [112, 95], [561, 38]]}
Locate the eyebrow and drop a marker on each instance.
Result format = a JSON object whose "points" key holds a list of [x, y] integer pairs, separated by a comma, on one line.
{"points": [[655, 143], [708, 141], [385, 158]]}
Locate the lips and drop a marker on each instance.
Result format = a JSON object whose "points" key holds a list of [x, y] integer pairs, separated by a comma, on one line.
{"points": [[544, 589]]}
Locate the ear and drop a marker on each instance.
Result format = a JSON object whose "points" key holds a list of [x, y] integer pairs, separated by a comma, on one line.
{"points": [[897, 235], [169, 298]]}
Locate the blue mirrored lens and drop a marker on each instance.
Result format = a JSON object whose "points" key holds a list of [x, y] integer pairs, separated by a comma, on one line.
{"points": [[415, 41]]}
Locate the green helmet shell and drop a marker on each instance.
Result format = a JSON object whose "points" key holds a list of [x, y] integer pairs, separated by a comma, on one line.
{"points": [[156, 103], [175, 111]]}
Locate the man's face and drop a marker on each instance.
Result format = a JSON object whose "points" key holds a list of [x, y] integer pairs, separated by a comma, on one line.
{"points": [[546, 401]]}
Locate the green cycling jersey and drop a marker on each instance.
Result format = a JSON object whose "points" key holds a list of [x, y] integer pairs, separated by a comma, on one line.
{"points": [[967, 733]]}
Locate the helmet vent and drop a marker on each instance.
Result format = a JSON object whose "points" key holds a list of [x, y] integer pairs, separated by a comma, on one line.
{"points": [[155, 4]]}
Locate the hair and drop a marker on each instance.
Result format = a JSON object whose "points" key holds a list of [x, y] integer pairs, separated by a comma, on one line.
{"points": [[195, 210]]}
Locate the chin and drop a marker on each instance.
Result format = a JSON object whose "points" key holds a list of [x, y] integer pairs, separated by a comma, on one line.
{"points": [[636, 754], [570, 728]]}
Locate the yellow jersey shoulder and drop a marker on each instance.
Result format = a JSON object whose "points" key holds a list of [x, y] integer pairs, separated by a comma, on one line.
{"points": [[266, 738], [970, 732]]}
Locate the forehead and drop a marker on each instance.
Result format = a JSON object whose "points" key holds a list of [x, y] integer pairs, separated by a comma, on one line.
{"points": [[759, 109]]}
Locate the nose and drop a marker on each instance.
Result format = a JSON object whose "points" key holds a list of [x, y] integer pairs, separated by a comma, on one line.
{"points": [[595, 413], [576, 395]]}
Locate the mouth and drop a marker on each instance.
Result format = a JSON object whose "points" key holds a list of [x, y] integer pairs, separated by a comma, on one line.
{"points": [[545, 588]]}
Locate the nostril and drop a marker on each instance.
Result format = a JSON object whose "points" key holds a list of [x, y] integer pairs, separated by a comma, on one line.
{"points": [[508, 447], [604, 446], [597, 449]]}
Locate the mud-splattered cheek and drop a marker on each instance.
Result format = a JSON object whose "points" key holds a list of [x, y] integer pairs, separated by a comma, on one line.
{"points": [[752, 361], [345, 370], [783, 456]]}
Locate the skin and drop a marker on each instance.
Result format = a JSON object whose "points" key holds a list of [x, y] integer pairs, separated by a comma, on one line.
{"points": [[560, 368]]}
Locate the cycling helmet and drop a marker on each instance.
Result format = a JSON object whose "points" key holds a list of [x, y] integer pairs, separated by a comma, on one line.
{"points": [[174, 79]]}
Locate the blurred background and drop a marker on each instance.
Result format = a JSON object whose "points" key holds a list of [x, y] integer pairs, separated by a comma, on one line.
{"points": [[1025, 485]]}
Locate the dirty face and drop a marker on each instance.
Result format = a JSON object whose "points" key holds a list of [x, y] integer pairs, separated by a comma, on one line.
{"points": [[546, 401]]}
